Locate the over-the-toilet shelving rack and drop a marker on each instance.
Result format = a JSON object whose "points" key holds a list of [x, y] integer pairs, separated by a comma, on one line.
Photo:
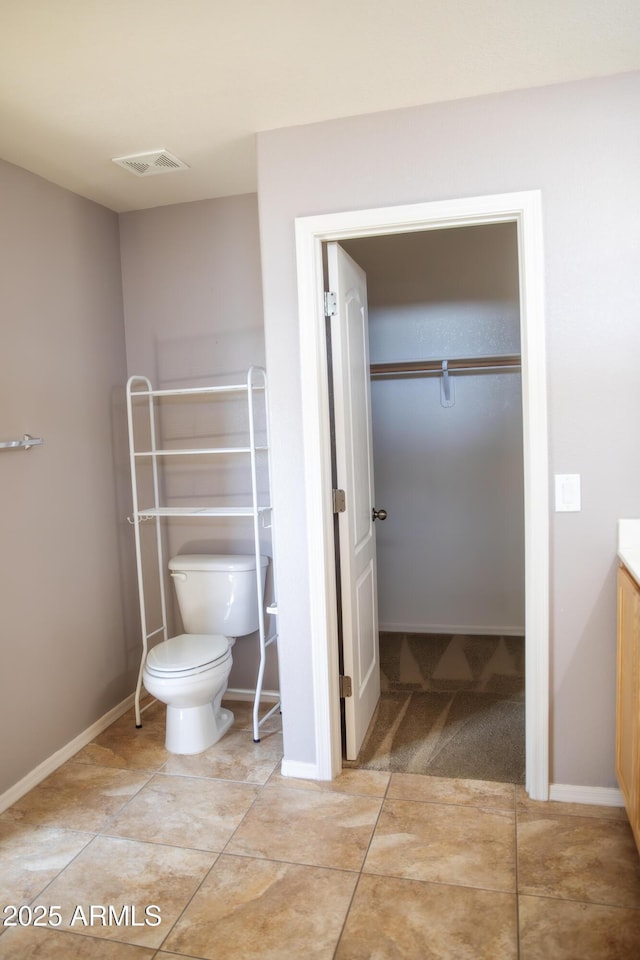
{"points": [[259, 510]]}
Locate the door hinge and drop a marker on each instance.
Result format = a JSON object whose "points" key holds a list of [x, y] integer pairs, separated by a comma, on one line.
{"points": [[330, 305], [346, 687], [339, 501]]}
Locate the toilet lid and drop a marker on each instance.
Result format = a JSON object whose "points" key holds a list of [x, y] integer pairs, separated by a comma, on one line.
{"points": [[187, 652]]}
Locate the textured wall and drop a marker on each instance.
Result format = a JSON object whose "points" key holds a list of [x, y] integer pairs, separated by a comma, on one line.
{"points": [[68, 651], [193, 316], [579, 144]]}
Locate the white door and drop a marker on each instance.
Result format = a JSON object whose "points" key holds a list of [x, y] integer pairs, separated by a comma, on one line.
{"points": [[354, 465]]}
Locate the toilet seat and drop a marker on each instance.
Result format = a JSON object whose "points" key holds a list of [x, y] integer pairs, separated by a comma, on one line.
{"points": [[187, 655]]}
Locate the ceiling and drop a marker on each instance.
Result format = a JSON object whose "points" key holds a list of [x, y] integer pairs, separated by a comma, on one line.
{"points": [[84, 81]]}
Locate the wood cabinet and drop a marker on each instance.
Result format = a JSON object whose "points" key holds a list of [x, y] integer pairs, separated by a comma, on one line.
{"points": [[628, 697]]}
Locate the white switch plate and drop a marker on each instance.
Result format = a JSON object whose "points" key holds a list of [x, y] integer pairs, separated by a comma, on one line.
{"points": [[567, 492]]}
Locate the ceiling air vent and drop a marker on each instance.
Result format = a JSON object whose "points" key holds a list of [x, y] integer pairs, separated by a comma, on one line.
{"points": [[146, 164]]}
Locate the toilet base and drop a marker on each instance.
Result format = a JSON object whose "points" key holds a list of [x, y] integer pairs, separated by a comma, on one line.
{"points": [[194, 729]]}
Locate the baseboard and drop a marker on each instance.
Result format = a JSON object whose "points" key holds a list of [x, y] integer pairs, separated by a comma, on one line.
{"points": [[465, 630], [564, 793], [595, 796], [56, 759], [238, 693], [299, 770], [592, 796]]}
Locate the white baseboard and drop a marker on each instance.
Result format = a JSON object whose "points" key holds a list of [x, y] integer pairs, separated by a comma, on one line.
{"points": [[593, 796], [56, 759], [596, 796], [446, 628], [299, 770], [564, 793]]}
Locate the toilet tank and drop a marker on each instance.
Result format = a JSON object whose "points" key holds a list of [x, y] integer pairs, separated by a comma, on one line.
{"points": [[218, 593]]}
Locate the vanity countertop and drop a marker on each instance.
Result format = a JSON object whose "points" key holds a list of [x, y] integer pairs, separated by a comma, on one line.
{"points": [[629, 546]]}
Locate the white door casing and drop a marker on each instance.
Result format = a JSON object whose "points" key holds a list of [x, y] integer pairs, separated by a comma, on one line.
{"points": [[354, 470], [525, 209]]}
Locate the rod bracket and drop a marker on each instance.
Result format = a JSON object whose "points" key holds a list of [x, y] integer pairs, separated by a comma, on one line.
{"points": [[447, 395]]}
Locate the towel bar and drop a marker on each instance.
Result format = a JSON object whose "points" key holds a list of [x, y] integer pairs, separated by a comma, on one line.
{"points": [[25, 444]]}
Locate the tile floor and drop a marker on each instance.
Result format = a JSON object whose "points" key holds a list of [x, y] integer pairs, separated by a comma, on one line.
{"points": [[134, 854]]}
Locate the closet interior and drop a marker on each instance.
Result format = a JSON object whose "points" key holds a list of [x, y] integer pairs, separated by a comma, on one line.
{"points": [[446, 400]]}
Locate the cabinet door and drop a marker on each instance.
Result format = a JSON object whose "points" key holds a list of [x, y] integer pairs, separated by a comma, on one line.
{"points": [[628, 697]]}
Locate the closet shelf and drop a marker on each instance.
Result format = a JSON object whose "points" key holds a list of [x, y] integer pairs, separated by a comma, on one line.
{"points": [[141, 397]]}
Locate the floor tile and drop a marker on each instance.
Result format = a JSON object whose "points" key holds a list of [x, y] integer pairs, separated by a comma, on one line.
{"points": [[32, 856], [578, 858], [261, 910], [367, 783], [234, 757], [123, 745], [32, 943], [243, 716], [245, 863], [565, 930], [444, 843], [126, 873], [324, 829], [185, 812], [478, 793], [79, 796], [395, 919]]}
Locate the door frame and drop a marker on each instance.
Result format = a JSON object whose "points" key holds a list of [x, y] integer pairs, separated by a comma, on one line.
{"points": [[525, 209]]}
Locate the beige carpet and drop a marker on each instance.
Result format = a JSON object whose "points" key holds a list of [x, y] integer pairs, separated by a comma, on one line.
{"points": [[451, 706]]}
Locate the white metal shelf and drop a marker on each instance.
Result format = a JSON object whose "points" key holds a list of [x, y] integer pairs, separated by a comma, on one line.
{"points": [[141, 389], [194, 391], [198, 451], [200, 511]]}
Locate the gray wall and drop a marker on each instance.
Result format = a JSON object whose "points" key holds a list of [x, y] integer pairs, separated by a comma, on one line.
{"points": [[450, 555], [67, 655], [580, 145], [193, 316]]}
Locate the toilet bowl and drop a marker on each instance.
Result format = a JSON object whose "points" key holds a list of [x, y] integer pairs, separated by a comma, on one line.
{"points": [[189, 673], [218, 601]]}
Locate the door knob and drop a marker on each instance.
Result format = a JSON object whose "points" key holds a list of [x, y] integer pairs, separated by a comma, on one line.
{"points": [[378, 514]]}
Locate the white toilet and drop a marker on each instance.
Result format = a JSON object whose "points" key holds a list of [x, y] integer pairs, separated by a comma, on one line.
{"points": [[218, 601]]}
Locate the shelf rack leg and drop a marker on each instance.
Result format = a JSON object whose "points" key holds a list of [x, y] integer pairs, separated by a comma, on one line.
{"points": [[146, 636], [255, 372]]}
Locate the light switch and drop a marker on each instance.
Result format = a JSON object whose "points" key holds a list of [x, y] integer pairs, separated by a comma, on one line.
{"points": [[567, 492]]}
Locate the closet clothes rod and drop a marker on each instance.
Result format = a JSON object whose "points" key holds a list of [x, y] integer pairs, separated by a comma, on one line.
{"points": [[415, 368]]}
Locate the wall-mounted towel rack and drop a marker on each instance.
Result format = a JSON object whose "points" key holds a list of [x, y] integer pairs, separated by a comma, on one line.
{"points": [[419, 368], [25, 444]]}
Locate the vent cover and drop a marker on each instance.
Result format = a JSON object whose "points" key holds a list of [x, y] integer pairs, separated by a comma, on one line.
{"points": [[147, 164]]}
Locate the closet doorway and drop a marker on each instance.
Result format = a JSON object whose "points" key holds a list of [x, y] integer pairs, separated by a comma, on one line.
{"points": [[524, 210], [447, 455]]}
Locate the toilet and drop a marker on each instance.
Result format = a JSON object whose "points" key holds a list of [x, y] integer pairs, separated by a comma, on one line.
{"points": [[218, 601]]}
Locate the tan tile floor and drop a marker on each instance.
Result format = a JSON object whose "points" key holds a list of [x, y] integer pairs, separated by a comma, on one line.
{"points": [[240, 862]]}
